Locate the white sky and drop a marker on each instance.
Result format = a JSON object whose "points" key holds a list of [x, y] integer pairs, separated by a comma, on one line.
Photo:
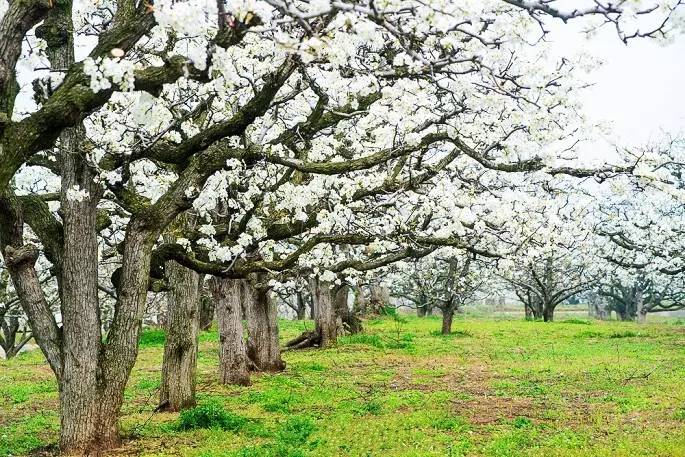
{"points": [[640, 88]]}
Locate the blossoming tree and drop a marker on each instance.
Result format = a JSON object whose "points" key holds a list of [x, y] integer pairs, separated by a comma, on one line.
{"points": [[143, 112]]}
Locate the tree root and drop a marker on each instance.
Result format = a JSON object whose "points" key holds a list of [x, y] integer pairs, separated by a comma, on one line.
{"points": [[305, 340]]}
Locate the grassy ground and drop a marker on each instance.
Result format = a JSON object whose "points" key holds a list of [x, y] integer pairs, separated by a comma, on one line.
{"points": [[492, 388]]}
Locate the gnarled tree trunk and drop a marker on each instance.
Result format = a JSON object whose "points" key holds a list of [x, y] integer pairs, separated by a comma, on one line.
{"points": [[227, 295], [180, 348], [262, 328], [327, 323], [350, 320]]}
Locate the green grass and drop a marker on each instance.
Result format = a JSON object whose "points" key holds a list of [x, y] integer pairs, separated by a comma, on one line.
{"points": [[491, 388]]}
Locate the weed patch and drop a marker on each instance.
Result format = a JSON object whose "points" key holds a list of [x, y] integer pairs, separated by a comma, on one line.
{"points": [[274, 400], [153, 337], [576, 321], [211, 415], [625, 334]]}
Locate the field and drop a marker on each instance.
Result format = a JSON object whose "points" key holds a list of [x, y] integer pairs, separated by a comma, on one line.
{"points": [[492, 388]]}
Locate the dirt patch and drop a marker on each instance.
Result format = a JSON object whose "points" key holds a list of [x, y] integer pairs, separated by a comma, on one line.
{"points": [[16, 413], [439, 374], [490, 409]]}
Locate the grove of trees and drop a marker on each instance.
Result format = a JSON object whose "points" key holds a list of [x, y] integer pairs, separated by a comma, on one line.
{"points": [[231, 157]]}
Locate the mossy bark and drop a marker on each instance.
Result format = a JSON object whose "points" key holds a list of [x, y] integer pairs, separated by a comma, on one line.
{"points": [[180, 349]]}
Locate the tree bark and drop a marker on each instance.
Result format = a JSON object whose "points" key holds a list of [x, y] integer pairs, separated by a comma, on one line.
{"points": [[447, 317], [327, 322], [262, 328], [548, 313], [81, 385], [350, 320], [90, 400], [20, 261], [380, 298], [360, 303], [207, 312], [227, 294], [326, 318], [180, 348]]}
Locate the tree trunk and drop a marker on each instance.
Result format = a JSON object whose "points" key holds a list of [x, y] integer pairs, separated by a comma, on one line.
{"points": [[301, 310], [360, 304], [536, 308], [421, 310], [91, 375], [529, 312], [207, 311], [327, 323], [326, 318], [88, 416], [314, 305], [262, 328], [379, 299], [227, 295], [10, 326], [598, 310], [349, 318], [447, 317], [422, 306], [9, 332], [642, 317], [161, 315], [80, 389], [180, 348], [640, 307], [548, 313]]}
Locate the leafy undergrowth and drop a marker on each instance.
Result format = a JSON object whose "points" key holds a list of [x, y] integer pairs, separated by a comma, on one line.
{"points": [[492, 388]]}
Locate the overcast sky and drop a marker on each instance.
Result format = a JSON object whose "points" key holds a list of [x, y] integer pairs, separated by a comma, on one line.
{"points": [[640, 87]]}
